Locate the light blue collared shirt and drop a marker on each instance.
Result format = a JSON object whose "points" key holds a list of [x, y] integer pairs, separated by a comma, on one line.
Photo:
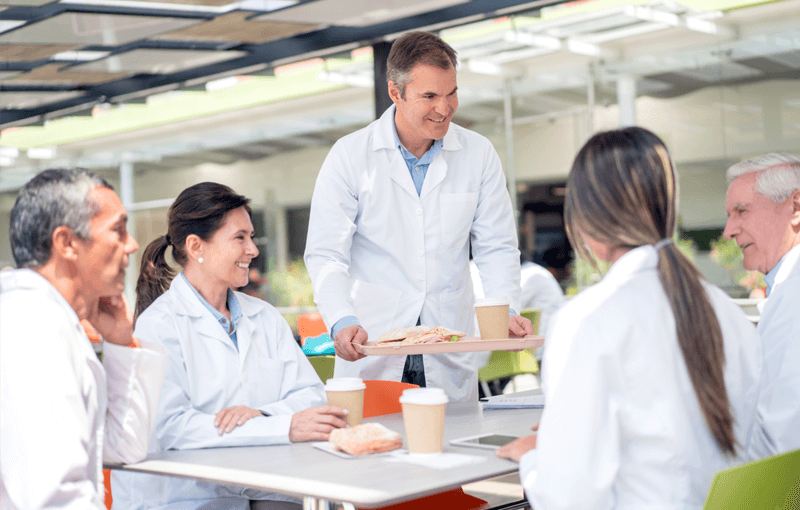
{"points": [[233, 306], [418, 169], [771, 274]]}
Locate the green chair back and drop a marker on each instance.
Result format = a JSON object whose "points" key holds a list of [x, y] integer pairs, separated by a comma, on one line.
{"points": [[772, 483], [323, 365], [508, 364], [533, 315]]}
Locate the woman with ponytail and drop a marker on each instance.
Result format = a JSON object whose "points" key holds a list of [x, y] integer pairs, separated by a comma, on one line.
{"points": [[651, 375], [236, 376]]}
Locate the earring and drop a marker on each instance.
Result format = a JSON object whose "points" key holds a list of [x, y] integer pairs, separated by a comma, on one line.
{"points": [[200, 260]]}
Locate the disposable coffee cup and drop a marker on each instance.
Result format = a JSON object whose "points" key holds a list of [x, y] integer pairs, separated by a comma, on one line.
{"points": [[423, 416], [492, 317], [347, 392]]}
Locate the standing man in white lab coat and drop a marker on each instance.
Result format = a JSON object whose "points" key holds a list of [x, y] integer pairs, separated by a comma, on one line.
{"points": [[395, 208], [62, 412], [763, 206]]}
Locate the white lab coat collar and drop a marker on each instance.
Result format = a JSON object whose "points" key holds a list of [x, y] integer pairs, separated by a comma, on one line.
{"points": [[398, 170], [384, 134], [790, 260], [188, 304], [635, 261], [30, 279]]}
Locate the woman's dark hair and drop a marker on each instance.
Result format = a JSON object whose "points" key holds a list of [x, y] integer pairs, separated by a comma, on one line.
{"points": [[198, 210], [622, 192]]}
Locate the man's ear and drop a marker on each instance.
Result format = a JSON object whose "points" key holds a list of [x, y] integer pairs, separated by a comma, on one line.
{"points": [[64, 242], [194, 246], [394, 92], [795, 198]]}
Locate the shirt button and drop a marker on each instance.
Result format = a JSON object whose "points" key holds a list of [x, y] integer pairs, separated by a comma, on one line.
{"points": [[421, 253], [416, 168], [244, 376], [419, 212]]}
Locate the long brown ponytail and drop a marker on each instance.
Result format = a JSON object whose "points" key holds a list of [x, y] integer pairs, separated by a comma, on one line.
{"points": [[622, 192], [198, 210]]}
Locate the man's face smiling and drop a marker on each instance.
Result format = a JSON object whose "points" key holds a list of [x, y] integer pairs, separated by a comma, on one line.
{"points": [[430, 102], [760, 227]]}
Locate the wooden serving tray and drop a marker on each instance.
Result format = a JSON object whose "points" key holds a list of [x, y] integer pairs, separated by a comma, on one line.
{"points": [[466, 344]]}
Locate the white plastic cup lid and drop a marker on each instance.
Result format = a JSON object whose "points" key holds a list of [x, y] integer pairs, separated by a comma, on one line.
{"points": [[424, 396], [494, 301], [345, 384]]}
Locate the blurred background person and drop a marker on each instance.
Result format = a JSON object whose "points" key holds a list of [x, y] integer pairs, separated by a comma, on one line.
{"points": [[651, 376], [236, 377], [763, 206], [62, 412]]}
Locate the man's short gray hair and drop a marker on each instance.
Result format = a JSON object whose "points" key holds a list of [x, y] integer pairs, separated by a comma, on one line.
{"points": [[779, 177], [53, 198]]}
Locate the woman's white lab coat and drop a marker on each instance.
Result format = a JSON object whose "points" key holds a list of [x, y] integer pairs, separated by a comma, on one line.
{"points": [[62, 412], [206, 374], [622, 427], [379, 252]]}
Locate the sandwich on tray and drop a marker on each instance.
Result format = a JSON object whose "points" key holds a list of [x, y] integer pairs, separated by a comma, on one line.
{"points": [[420, 335]]}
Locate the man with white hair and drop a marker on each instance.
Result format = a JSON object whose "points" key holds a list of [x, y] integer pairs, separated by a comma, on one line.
{"points": [[763, 206]]}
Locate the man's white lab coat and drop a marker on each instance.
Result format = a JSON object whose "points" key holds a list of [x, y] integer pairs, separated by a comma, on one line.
{"points": [[622, 426], [62, 412], [779, 328], [379, 252], [206, 374]]}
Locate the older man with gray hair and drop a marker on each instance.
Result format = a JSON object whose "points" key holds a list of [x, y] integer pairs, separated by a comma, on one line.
{"points": [[62, 412], [763, 206]]}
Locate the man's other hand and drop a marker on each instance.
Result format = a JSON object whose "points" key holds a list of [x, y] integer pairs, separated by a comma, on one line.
{"points": [[345, 340]]}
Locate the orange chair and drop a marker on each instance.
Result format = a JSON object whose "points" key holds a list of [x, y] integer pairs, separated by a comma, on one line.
{"points": [[107, 483], [309, 325], [383, 397]]}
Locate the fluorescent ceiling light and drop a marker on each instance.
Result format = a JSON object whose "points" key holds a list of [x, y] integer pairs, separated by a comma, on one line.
{"points": [[42, 152], [536, 40], [222, 83], [80, 56], [354, 80], [9, 152], [6, 161], [584, 48], [6, 25], [485, 67]]}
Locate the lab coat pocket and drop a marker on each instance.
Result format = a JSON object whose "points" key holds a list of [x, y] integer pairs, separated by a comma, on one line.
{"points": [[270, 378], [376, 306], [458, 211]]}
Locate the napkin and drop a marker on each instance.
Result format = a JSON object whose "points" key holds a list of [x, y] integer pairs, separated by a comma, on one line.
{"points": [[434, 460], [319, 345]]}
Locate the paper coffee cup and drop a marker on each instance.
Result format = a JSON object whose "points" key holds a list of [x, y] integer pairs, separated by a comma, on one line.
{"points": [[423, 416], [347, 392], [492, 317]]}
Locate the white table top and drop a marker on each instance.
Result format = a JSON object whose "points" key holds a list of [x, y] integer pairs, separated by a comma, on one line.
{"points": [[299, 470]]}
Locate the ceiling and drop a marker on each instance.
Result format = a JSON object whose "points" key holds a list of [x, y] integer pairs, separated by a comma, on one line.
{"points": [[546, 60], [63, 58]]}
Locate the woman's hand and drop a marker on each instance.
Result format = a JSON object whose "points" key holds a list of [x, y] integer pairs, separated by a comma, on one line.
{"points": [[316, 423], [516, 449], [234, 416]]}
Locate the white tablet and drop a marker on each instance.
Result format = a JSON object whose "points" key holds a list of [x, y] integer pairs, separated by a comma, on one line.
{"points": [[488, 441]]}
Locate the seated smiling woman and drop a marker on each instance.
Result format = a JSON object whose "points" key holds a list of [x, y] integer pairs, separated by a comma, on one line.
{"points": [[235, 376], [651, 375]]}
